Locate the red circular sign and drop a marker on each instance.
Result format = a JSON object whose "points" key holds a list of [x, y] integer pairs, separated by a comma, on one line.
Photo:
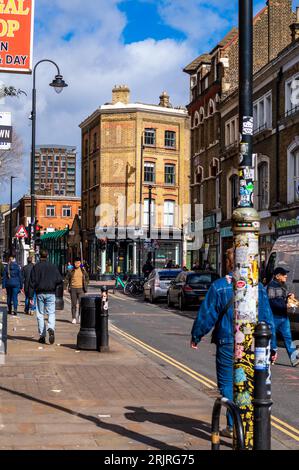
{"points": [[241, 284]]}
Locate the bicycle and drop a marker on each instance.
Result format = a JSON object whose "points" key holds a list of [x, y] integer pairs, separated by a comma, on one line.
{"points": [[134, 287]]}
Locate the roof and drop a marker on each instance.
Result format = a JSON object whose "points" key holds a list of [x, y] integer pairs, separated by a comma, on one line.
{"points": [[55, 235], [70, 148], [202, 59]]}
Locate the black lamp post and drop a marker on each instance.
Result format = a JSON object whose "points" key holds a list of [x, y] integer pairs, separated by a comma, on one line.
{"points": [[10, 216], [58, 84]]}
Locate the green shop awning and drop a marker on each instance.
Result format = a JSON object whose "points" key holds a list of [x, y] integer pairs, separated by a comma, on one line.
{"points": [[55, 235]]}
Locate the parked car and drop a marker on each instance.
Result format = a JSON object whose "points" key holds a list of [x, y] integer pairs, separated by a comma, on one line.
{"points": [[285, 253], [190, 288], [157, 284]]}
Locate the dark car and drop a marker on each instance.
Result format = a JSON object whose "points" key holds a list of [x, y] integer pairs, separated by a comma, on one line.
{"points": [[190, 288]]}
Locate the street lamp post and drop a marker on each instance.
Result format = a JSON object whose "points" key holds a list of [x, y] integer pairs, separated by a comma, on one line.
{"points": [[246, 225], [10, 217], [58, 84]]}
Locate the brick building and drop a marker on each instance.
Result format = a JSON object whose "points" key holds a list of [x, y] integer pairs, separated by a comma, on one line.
{"points": [[55, 170], [214, 123], [126, 147]]}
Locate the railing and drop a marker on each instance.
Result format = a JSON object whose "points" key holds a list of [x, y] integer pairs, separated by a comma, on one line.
{"points": [[224, 402]]}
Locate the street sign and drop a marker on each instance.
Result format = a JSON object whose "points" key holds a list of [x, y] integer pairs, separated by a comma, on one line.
{"points": [[16, 33], [5, 131], [21, 232]]}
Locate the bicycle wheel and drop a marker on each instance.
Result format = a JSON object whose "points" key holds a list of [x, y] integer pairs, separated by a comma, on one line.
{"points": [[128, 289]]}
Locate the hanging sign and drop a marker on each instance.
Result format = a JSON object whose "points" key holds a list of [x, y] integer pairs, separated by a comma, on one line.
{"points": [[16, 35], [5, 131]]}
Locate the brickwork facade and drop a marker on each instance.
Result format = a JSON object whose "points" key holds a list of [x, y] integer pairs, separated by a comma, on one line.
{"points": [[116, 169], [214, 152]]}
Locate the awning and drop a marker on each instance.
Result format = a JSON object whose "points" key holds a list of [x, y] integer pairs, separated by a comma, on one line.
{"points": [[55, 235]]}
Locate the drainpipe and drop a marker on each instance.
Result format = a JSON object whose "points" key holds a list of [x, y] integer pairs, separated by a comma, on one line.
{"points": [[277, 140]]}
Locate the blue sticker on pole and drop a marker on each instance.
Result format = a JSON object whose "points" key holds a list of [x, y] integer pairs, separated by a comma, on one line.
{"points": [[261, 359]]}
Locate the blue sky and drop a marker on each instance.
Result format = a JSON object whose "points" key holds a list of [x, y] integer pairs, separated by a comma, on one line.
{"points": [[100, 43]]}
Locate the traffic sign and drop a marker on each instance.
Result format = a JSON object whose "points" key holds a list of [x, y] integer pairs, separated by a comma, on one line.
{"points": [[21, 232]]}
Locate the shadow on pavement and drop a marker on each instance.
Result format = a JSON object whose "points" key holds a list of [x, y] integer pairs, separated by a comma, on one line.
{"points": [[194, 427], [22, 338], [116, 428]]}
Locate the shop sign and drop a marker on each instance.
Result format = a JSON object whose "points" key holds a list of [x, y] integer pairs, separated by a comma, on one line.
{"points": [[209, 222], [16, 35], [226, 232], [287, 226]]}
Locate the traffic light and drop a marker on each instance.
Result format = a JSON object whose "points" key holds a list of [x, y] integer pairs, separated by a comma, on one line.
{"points": [[37, 235]]}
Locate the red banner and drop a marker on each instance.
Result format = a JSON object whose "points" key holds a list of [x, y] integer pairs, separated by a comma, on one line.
{"points": [[16, 35]]}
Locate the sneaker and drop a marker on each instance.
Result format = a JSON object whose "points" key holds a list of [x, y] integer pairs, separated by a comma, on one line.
{"points": [[51, 336], [42, 340], [15, 313], [295, 362], [227, 432], [74, 321]]}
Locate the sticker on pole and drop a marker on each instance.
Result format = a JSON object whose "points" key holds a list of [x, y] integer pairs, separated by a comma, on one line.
{"points": [[261, 359], [247, 128]]}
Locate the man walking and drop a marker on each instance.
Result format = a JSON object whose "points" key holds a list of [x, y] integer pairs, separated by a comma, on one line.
{"points": [[278, 297], [26, 272], [12, 281], [44, 279], [217, 311], [77, 282]]}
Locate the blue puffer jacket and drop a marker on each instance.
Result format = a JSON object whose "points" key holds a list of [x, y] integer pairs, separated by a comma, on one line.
{"points": [[12, 276], [217, 298]]}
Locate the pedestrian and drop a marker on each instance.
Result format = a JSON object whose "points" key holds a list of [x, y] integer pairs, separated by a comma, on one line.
{"points": [[44, 279], [185, 269], [1, 271], [69, 266], [77, 283], [196, 266], [169, 264], [26, 272], [12, 281], [217, 311], [279, 296], [147, 267]]}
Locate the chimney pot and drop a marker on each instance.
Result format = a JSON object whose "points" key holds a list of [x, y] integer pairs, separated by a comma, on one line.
{"points": [[121, 94]]}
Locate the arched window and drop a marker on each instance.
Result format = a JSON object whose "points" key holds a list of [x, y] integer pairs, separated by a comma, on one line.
{"points": [[199, 174], [146, 212], [196, 119], [211, 108], [263, 186], [201, 115]]}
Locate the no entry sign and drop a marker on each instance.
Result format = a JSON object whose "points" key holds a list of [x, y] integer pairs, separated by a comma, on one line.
{"points": [[16, 35]]}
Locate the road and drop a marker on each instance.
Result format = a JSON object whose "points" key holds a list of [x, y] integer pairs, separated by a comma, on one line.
{"points": [[164, 334]]}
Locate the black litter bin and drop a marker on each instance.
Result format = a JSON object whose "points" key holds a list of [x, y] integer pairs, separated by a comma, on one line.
{"points": [[89, 334], [59, 297]]}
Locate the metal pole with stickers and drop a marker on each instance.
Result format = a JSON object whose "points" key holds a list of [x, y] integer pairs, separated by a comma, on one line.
{"points": [[246, 225]]}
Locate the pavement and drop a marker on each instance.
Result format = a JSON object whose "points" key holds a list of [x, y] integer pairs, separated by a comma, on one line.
{"points": [[57, 397]]}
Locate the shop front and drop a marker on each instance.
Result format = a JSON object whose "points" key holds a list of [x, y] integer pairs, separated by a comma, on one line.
{"points": [[287, 223]]}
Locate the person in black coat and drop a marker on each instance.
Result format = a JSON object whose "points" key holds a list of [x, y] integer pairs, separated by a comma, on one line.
{"points": [[13, 282], [26, 272]]}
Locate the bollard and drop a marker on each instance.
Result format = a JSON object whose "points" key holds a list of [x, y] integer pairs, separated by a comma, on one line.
{"points": [[103, 333], [59, 303], [262, 388], [87, 338]]}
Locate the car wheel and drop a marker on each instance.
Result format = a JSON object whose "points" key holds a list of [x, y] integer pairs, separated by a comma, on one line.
{"points": [[169, 303], [181, 303], [152, 300]]}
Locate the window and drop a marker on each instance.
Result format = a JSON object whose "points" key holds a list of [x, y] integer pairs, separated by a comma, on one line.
{"points": [[94, 174], [150, 137], [170, 174], [79, 212], [50, 211], [86, 148], [262, 113], [149, 172], [169, 207], [66, 211], [95, 141], [231, 131], [146, 212], [263, 186], [293, 177], [234, 182], [170, 140], [292, 95]]}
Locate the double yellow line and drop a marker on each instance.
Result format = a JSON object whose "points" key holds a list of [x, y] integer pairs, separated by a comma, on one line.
{"points": [[276, 423]]}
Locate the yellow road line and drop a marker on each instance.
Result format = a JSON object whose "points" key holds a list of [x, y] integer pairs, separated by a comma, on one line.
{"points": [[169, 361], [200, 378], [286, 425]]}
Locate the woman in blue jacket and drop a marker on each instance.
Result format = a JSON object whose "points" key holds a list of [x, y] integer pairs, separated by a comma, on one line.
{"points": [[12, 281]]}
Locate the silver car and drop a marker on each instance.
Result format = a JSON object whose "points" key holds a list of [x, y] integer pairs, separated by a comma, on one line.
{"points": [[157, 285]]}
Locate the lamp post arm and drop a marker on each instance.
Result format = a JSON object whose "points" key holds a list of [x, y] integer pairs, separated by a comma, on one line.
{"points": [[40, 62]]}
